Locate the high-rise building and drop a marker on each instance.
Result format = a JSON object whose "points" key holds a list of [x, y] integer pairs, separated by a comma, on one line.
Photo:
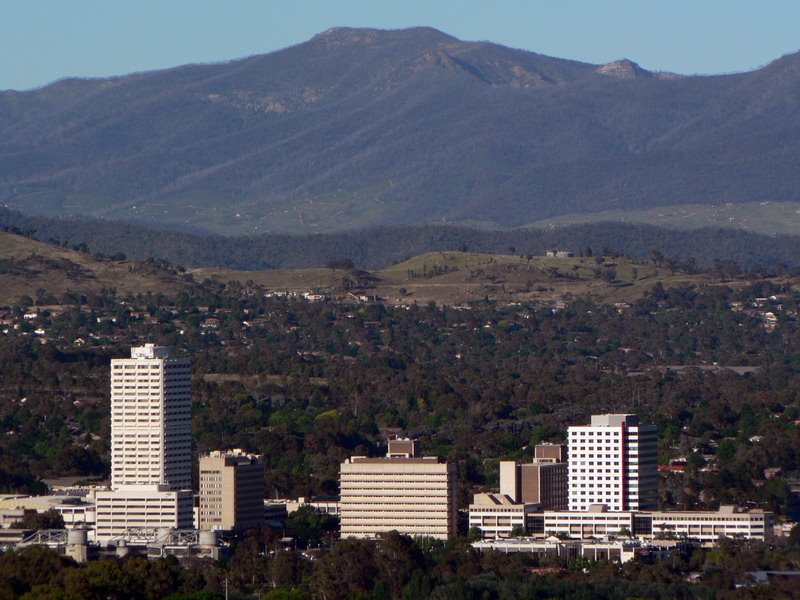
{"points": [[613, 461], [151, 446], [402, 491], [151, 421], [231, 491], [544, 481]]}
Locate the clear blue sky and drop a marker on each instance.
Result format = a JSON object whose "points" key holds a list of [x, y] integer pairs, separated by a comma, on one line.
{"points": [[41, 41]]}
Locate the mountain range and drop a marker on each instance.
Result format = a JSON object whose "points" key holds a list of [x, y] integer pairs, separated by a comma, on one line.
{"points": [[363, 127]]}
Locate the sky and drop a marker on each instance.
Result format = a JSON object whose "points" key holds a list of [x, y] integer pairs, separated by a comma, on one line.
{"points": [[43, 41]]}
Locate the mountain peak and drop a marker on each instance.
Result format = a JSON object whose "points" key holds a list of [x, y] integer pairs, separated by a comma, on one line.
{"points": [[337, 36], [366, 35], [365, 126], [623, 69]]}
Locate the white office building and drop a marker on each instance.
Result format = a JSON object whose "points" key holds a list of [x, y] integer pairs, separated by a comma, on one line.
{"points": [[499, 515], [613, 462], [151, 451], [412, 494], [704, 526]]}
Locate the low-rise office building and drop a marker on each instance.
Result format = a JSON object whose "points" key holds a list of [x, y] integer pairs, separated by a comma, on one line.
{"points": [[329, 505], [119, 512], [231, 491], [77, 511], [402, 491], [498, 516], [703, 526], [620, 551]]}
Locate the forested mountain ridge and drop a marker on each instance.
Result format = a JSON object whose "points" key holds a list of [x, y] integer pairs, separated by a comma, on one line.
{"points": [[361, 127], [380, 247]]}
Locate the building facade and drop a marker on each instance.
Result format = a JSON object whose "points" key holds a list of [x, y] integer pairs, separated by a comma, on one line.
{"points": [[151, 451], [613, 462], [231, 491], [498, 515], [544, 481], [704, 526], [612, 550], [151, 421], [411, 494], [78, 512], [328, 505], [123, 512], [613, 485]]}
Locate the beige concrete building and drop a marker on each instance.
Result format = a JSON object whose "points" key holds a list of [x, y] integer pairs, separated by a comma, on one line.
{"points": [[544, 481], [77, 511], [497, 515], [403, 491], [121, 511], [231, 491], [151, 421], [151, 446], [328, 505]]}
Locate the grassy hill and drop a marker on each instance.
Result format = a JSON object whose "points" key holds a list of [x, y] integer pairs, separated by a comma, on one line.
{"points": [[31, 268], [361, 127], [290, 280], [458, 277], [379, 247], [771, 218], [27, 266]]}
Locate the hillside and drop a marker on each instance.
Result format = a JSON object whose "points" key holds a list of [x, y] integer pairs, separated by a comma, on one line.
{"points": [[379, 247], [45, 272], [770, 218], [39, 270], [361, 127], [461, 277], [31, 268]]}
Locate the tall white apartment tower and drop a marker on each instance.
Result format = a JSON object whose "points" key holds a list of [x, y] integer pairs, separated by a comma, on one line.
{"points": [[151, 421], [613, 461], [151, 446]]}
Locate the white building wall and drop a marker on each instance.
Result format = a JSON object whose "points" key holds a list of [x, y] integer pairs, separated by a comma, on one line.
{"points": [[705, 526], [151, 420], [613, 461], [415, 497], [498, 520], [151, 451], [120, 511], [509, 479]]}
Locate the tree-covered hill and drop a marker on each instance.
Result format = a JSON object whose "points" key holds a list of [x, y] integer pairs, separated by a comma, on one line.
{"points": [[361, 127], [380, 247]]}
